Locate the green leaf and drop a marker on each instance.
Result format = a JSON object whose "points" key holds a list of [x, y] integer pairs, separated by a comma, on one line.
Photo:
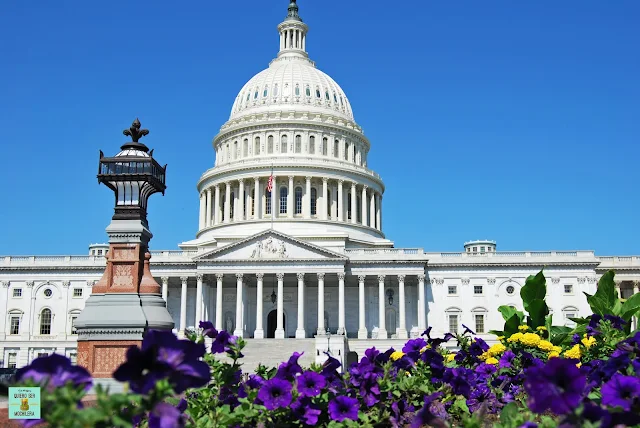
{"points": [[511, 326], [507, 311], [509, 413], [602, 303], [559, 334], [538, 311], [535, 288], [461, 404], [630, 307]]}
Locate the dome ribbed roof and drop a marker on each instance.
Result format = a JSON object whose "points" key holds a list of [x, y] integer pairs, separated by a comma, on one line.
{"points": [[292, 83]]}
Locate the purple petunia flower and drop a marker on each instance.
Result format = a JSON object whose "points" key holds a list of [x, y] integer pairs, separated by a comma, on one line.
{"points": [[558, 386], [594, 413], [304, 409], [460, 379], [343, 407], [575, 339], [414, 345], [478, 347], [485, 370], [310, 384], [616, 322], [291, 368], [54, 371], [221, 342], [480, 396], [467, 330], [163, 356], [275, 393], [164, 415], [426, 416], [506, 359], [621, 391]]}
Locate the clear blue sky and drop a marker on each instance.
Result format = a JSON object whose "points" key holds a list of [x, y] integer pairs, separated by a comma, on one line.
{"points": [[513, 121]]}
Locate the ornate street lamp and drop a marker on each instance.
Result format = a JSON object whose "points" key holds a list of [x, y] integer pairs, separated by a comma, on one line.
{"points": [[133, 175], [390, 296]]}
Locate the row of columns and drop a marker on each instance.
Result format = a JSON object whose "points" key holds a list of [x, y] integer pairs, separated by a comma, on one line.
{"points": [[293, 39], [211, 213], [300, 329]]}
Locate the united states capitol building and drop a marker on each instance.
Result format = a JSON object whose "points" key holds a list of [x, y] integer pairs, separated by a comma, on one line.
{"points": [[291, 248]]}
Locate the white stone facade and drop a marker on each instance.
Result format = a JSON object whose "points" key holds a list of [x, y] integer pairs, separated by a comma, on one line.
{"points": [[308, 257]]}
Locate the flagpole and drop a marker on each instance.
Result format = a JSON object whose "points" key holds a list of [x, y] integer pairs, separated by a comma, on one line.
{"points": [[272, 188]]}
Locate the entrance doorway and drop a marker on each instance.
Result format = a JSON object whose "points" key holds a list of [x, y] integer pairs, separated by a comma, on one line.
{"points": [[272, 323]]}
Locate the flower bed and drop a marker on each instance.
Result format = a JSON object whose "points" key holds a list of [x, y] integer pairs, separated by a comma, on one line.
{"points": [[535, 375]]}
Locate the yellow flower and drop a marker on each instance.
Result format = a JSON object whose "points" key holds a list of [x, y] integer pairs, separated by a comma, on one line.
{"points": [[588, 342], [491, 360], [557, 349], [450, 357], [541, 328], [553, 354], [515, 337], [500, 338], [545, 345], [530, 339], [579, 365], [523, 328], [396, 355], [573, 353], [496, 349]]}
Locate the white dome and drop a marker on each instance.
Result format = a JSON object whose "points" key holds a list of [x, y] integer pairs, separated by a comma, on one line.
{"points": [[291, 82]]}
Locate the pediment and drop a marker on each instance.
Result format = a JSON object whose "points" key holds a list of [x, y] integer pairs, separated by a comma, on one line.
{"points": [[270, 246]]}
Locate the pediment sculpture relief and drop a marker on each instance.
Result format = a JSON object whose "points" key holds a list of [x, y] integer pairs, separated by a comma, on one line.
{"points": [[270, 248]]}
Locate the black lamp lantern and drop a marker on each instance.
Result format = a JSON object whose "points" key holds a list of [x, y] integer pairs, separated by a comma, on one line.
{"points": [[390, 296], [273, 297], [133, 175]]}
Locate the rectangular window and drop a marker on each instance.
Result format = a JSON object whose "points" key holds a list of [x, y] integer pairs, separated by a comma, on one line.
{"points": [[267, 204], [477, 289], [245, 148], [452, 289], [17, 292], [482, 249], [453, 323], [312, 145], [99, 252], [325, 143], [270, 144], [336, 148], [15, 325], [73, 325], [479, 323], [346, 151], [43, 354], [298, 144], [11, 361], [73, 357], [283, 201], [568, 289], [77, 292]]}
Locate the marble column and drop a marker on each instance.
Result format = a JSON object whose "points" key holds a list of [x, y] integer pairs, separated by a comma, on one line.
{"points": [[402, 330], [378, 212], [256, 199], [307, 202], [290, 198], [341, 324], [279, 334], [239, 331], [372, 209], [259, 332], [208, 209], [216, 206], [325, 200], [183, 304], [275, 206], [340, 201], [203, 211], [199, 278], [321, 331], [362, 326], [241, 201], [354, 204], [165, 289], [422, 318], [300, 333], [382, 328], [364, 205], [219, 277], [227, 203]]}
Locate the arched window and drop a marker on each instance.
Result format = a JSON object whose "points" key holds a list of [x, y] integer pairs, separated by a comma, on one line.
{"points": [[325, 146], [453, 319], [15, 317], [298, 200], [353, 153], [336, 148], [283, 144], [244, 203], [298, 144], [308, 91], [267, 204], [270, 144], [255, 94], [312, 145], [297, 90], [233, 205], [568, 313], [326, 95], [265, 92], [318, 93], [235, 149], [248, 95], [346, 150], [283, 199], [349, 206], [287, 90], [245, 148], [335, 99], [45, 321], [227, 157], [314, 201], [480, 320], [73, 316], [275, 90], [328, 202], [256, 147]]}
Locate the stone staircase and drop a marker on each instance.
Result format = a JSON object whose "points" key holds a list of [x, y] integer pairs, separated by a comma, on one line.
{"points": [[272, 352]]}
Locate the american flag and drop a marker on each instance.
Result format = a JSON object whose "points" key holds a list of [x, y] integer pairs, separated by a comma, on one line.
{"points": [[270, 183]]}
